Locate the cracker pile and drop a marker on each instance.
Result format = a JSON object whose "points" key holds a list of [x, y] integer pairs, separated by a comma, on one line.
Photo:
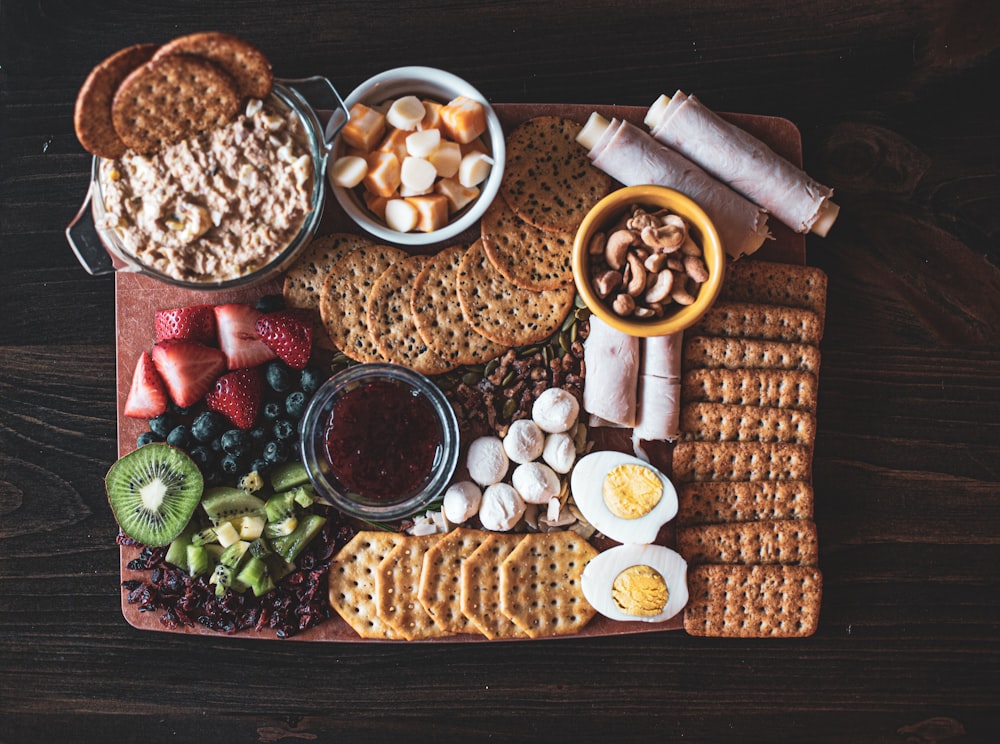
{"points": [[744, 466], [391, 586], [146, 96]]}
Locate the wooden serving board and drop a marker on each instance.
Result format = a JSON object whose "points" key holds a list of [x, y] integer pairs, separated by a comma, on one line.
{"points": [[137, 297]]}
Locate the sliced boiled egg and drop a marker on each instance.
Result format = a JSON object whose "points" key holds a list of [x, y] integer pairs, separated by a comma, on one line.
{"points": [[622, 496], [646, 583]]}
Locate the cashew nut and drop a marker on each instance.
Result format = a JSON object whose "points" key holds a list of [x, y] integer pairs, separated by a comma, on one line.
{"points": [[681, 296], [657, 262], [694, 267], [661, 289], [624, 305], [637, 276], [596, 245], [607, 283], [667, 238], [617, 247]]}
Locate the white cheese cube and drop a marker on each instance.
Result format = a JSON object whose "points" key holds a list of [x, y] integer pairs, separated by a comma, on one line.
{"points": [[474, 168]]}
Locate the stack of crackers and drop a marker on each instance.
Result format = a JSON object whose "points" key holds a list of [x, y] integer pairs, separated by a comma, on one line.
{"points": [[465, 304], [743, 469], [146, 96], [392, 586]]}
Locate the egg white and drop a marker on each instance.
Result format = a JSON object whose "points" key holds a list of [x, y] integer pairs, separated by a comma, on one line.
{"points": [[601, 571], [587, 484]]}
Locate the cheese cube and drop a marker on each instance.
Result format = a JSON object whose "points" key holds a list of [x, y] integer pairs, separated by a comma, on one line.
{"points": [[457, 194], [401, 215], [432, 211], [446, 159], [432, 115], [364, 128], [395, 142], [474, 169], [383, 176], [463, 119], [375, 203], [348, 171]]}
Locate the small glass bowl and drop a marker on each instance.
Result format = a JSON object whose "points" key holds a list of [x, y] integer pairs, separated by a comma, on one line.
{"points": [[313, 443]]}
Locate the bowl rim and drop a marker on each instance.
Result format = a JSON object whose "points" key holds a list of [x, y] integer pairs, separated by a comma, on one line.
{"points": [[314, 421], [663, 196], [368, 91]]}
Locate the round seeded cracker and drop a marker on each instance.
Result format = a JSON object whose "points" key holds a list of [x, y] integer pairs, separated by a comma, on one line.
{"points": [[504, 312], [390, 320], [168, 99], [92, 113], [438, 314], [304, 280], [548, 180], [241, 60], [344, 300], [529, 257]]}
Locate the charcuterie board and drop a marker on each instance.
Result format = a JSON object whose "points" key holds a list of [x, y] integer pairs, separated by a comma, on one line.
{"points": [[137, 297]]}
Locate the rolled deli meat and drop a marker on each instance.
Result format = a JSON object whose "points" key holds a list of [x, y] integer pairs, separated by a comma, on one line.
{"points": [[659, 391], [612, 362], [736, 157], [628, 154]]}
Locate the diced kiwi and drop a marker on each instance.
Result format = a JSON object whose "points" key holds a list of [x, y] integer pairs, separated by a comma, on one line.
{"points": [[290, 546], [281, 506], [197, 560], [177, 552], [281, 528], [153, 491], [288, 475], [205, 536], [223, 504]]}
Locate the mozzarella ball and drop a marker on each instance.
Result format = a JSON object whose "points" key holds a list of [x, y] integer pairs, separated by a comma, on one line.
{"points": [[555, 410], [559, 452], [501, 508], [535, 482], [524, 441], [487, 462], [461, 501]]}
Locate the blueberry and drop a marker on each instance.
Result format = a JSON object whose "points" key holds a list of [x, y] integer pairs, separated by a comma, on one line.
{"points": [[179, 436], [147, 437], [202, 456], [207, 425], [271, 410], [295, 404], [271, 303], [231, 464], [275, 452], [162, 424], [284, 429], [180, 410], [278, 376], [260, 465], [235, 441], [258, 434], [309, 380]]}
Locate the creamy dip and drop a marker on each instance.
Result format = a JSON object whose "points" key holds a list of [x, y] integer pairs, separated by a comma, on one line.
{"points": [[216, 206]]}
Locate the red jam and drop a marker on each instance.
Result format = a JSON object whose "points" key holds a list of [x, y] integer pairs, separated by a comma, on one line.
{"points": [[382, 439]]}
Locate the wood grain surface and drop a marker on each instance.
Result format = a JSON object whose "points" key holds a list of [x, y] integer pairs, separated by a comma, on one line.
{"points": [[895, 100]]}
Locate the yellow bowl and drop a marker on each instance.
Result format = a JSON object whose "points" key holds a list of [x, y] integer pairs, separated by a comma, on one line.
{"points": [[606, 213]]}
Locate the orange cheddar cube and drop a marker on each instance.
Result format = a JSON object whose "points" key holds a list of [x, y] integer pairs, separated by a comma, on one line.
{"points": [[395, 143], [457, 194], [432, 211], [432, 115], [384, 174], [375, 203], [463, 119], [364, 128], [476, 145]]}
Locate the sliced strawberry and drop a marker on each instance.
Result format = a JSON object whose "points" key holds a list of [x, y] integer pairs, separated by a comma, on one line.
{"points": [[288, 333], [237, 396], [147, 398], [237, 334], [188, 369], [193, 323]]}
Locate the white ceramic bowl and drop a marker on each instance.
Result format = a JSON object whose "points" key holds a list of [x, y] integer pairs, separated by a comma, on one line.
{"points": [[426, 82]]}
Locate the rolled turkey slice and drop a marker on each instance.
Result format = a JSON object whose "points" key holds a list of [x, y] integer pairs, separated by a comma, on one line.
{"points": [[611, 359], [736, 157], [633, 157], [659, 412], [661, 356]]}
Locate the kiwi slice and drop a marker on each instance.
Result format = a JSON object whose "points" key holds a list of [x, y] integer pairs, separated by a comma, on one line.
{"points": [[153, 491], [223, 504]]}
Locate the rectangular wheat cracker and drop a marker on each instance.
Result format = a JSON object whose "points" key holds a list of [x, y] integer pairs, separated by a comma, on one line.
{"points": [[753, 601], [790, 542], [715, 502], [715, 352], [719, 422], [776, 284], [751, 387], [741, 461], [755, 320]]}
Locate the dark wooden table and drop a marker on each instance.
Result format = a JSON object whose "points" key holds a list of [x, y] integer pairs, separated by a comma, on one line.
{"points": [[897, 104]]}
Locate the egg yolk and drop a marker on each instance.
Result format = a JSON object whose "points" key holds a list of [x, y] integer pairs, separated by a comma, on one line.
{"points": [[631, 491], [640, 591]]}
